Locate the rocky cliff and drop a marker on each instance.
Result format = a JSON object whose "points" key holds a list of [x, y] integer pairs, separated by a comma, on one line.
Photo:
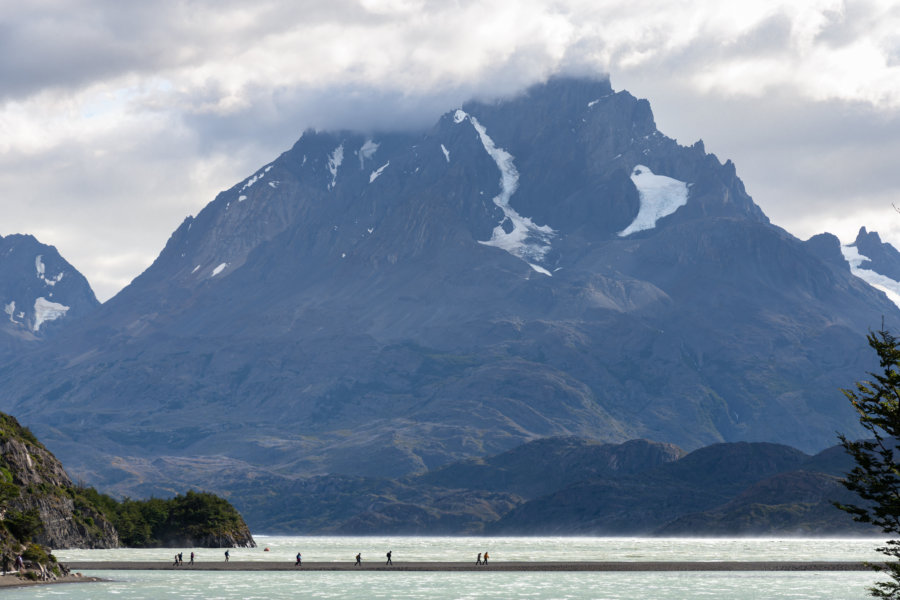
{"points": [[38, 501]]}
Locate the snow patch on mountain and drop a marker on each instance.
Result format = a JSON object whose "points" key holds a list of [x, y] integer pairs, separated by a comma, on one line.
{"points": [[446, 152], [219, 269], [240, 199], [252, 180], [526, 240], [366, 152], [374, 175], [45, 310], [10, 309], [41, 270], [878, 281], [334, 163], [660, 196]]}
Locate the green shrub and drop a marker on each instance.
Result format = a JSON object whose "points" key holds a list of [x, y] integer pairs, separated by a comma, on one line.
{"points": [[36, 554], [24, 525]]}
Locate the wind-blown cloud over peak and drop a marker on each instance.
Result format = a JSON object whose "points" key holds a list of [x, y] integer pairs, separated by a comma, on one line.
{"points": [[143, 111]]}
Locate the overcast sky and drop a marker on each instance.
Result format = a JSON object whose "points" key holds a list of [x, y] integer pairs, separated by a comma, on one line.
{"points": [[119, 119]]}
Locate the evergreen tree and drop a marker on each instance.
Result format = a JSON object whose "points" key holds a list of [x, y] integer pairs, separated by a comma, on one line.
{"points": [[876, 477]]}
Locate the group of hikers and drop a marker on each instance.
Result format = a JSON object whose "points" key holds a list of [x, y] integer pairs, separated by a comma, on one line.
{"points": [[179, 559], [481, 560]]}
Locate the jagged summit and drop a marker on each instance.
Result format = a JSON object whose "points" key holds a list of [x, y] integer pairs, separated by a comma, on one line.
{"points": [[381, 304]]}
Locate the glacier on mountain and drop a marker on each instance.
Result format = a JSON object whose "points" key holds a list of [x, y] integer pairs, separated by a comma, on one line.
{"points": [[878, 281], [660, 196], [45, 310]]}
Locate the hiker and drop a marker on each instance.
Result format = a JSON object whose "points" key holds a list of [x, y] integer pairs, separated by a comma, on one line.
{"points": [[299, 559], [226, 556], [20, 563], [485, 558], [192, 558], [478, 560], [175, 564], [358, 560], [181, 558], [5, 563], [388, 559]]}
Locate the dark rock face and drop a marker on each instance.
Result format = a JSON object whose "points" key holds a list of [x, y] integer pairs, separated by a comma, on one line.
{"points": [[384, 305], [880, 256], [44, 486]]}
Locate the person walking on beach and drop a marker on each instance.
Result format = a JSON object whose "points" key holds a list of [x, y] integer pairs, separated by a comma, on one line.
{"points": [[192, 558], [175, 564], [226, 556], [299, 560], [358, 560], [478, 560], [388, 559], [485, 557]]}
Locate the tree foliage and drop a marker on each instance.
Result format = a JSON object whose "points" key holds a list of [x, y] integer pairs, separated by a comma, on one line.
{"points": [[876, 477], [156, 522]]}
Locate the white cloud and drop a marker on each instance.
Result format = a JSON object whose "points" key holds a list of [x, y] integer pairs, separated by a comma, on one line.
{"points": [[138, 113]]}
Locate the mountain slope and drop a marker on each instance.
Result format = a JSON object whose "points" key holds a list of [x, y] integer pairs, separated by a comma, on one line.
{"points": [[381, 305]]}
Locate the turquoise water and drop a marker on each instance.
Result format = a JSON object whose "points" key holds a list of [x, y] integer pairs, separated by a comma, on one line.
{"points": [[156, 585], [185, 584]]}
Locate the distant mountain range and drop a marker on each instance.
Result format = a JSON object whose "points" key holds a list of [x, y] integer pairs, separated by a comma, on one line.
{"points": [[382, 305], [573, 486]]}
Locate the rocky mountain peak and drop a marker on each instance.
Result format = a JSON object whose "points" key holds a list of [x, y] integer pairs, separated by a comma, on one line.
{"points": [[39, 290]]}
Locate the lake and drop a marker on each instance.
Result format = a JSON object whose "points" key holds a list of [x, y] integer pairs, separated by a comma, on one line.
{"points": [[838, 585]]}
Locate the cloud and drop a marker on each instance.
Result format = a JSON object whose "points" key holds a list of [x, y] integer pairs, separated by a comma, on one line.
{"points": [[138, 113]]}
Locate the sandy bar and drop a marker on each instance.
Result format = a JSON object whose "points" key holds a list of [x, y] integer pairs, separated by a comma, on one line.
{"points": [[470, 566]]}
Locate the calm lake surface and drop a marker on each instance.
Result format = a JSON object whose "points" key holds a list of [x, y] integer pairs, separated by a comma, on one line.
{"points": [[153, 585]]}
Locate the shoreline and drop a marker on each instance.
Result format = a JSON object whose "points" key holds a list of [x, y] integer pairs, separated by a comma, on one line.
{"points": [[605, 566], [11, 580]]}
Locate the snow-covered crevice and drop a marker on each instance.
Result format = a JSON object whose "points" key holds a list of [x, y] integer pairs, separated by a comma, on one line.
{"points": [[219, 269], [876, 280], [446, 152], [525, 240], [45, 310], [334, 163], [660, 196], [41, 272], [374, 175]]}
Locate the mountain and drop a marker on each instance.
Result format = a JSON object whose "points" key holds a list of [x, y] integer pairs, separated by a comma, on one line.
{"points": [[723, 489], [876, 262], [40, 292], [380, 305]]}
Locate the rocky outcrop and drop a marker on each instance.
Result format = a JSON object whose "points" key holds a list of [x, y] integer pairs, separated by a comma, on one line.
{"points": [[36, 485]]}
